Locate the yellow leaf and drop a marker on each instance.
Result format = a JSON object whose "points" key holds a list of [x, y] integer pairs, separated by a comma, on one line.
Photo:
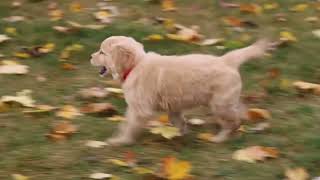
{"points": [[75, 7], [22, 55], [299, 8], [56, 14], [251, 8], [118, 162], [11, 31], [68, 112], [297, 174], [142, 170], [49, 47], [205, 136], [255, 153], [271, 6], [167, 132], [154, 37], [116, 118], [114, 90], [287, 36], [255, 114], [175, 169], [19, 177], [168, 5]]}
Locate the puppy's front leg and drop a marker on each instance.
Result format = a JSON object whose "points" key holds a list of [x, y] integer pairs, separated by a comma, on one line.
{"points": [[177, 120], [128, 129]]}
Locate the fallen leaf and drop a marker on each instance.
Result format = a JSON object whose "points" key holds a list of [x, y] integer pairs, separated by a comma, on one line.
{"points": [[174, 169], [195, 121], [114, 90], [76, 7], [256, 114], [316, 33], [250, 8], [88, 26], [205, 136], [307, 87], [103, 16], [93, 92], [168, 5], [14, 69], [167, 132], [100, 176], [16, 4], [186, 34], [23, 98], [130, 158], [41, 109], [116, 118], [312, 19], [154, 37], [260, 127], [47, 48], [61, 131], [232, 21], [118, 162], [299, 7], [297, 174], [68, 66], [164, 119], [19, 177], [4, 38], [99, 108], [68, 112], [287, 36], [64, 128], [3, 107], [14, 18], [142, 170], [255, 153], [96, 144], [56, 14], [228, 5], [62, 29], [22, 55], [271, 6], [11, 31]]}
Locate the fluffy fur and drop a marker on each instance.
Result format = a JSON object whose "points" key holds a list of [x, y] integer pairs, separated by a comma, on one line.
{"points": [[175, 83]]}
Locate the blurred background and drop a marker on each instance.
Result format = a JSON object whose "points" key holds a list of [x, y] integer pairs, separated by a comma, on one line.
{"points": [[55, 110]]}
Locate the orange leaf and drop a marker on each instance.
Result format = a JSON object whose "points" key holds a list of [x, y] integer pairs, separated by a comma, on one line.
{"points": [[251, 8], [233, 21], [255, 114], [174, 169]]}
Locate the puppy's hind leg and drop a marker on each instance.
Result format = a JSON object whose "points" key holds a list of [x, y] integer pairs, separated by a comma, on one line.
{"points": [[177, 120]]}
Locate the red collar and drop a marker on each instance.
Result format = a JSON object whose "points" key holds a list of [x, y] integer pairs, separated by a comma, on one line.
{"points": [[126, 74]]}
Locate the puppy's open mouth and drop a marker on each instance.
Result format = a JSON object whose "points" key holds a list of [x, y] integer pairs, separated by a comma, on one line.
{"points": [[103, 71]]}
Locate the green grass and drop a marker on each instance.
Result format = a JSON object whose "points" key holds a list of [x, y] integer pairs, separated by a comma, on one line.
{"points": [[295, 124]]}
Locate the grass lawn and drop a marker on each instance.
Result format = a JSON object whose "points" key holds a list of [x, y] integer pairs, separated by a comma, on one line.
{"points": [[295, 119]]}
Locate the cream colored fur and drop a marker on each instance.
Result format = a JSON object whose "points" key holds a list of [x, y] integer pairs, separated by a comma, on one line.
{"points": [[175, 83]]}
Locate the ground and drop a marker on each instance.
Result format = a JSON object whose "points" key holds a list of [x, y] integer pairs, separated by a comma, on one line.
{"points": [[295, 119]]}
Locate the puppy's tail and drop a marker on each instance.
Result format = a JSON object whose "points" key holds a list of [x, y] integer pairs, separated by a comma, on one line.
{"points": [[237, 57]]}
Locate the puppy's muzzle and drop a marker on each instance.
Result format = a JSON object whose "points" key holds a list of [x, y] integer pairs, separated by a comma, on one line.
{"points": [[103, 71]]}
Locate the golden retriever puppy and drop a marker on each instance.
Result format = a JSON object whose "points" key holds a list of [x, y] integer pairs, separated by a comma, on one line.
{"points": [[153, 82]]}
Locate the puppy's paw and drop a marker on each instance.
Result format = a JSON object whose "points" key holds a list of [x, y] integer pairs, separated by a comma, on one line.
{"points": [[119, 141]]}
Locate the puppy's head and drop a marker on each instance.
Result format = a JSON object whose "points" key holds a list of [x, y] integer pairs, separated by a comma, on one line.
{"points": [[117, 54]]}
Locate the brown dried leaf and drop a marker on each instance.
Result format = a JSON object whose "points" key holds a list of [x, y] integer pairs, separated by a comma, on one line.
{"points": [[256, 114], [99, 108]]}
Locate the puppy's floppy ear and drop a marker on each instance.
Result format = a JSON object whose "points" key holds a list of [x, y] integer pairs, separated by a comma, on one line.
{"points": [[123, 53]]}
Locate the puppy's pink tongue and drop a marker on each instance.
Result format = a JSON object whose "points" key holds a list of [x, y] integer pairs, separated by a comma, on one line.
{"points": [[103, 71]]}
